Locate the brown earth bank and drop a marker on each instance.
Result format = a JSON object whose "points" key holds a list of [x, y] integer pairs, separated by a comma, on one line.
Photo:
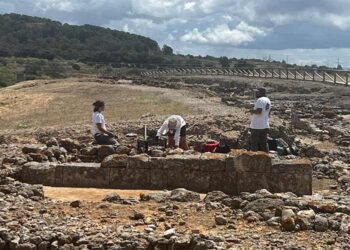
{"points": [[48, 122]]}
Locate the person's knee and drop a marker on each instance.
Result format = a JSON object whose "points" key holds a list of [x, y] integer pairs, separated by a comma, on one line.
{"points": [[112, 141]]}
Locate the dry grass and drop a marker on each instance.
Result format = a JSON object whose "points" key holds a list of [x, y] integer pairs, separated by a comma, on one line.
{"points": [[69, 102]]}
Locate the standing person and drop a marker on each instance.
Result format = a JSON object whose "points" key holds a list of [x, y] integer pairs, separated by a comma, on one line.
{"points": [[259, 125], [175, 127], [99, 131]]}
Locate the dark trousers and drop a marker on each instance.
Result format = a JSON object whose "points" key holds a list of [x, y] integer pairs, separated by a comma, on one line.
{"points": [[258, 140], [102, 139]]}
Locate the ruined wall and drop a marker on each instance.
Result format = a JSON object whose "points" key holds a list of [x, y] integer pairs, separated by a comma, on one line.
{"points": [[232, 174]]}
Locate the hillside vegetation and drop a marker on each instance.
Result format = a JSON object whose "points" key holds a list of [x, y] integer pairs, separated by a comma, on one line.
{"points": [[26, 36], [39, 48]]}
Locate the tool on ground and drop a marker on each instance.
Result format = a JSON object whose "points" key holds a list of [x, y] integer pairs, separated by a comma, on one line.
{"points": [[150, 139]]}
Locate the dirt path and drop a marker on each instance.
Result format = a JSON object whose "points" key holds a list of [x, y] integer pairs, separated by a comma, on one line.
{"points": [[88, 194]]}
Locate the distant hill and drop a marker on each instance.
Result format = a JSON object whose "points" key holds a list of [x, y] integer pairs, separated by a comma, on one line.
{"points": [[26, 36]]}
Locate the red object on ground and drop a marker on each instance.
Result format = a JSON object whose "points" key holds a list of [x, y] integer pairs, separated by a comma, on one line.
{"points": [[210, 147]]}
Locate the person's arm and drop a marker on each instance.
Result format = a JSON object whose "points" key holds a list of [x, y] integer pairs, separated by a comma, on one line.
{"points": [[258, 107], [103, 130], [162, 129]]}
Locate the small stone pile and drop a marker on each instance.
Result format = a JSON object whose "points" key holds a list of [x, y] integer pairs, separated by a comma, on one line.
{"points": [[286, 210]]}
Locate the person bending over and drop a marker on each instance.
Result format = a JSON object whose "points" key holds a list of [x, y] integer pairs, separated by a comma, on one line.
{"points": [[99, 130], [259, 125], [175, 127]]}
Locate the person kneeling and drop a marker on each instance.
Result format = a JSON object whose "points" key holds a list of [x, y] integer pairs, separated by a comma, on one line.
{"points": [[175, 127], [99, 130]]}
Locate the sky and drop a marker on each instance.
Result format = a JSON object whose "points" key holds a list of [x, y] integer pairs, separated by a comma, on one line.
{"points": [[298, 31]]}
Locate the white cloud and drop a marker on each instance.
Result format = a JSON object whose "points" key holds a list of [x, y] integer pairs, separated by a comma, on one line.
{"points": [[157, 8], [223, 35], [189, 5], [61, 5], [195, 24]]}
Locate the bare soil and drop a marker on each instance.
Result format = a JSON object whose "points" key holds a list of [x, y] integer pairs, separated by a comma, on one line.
{"points": [[69, 102]]}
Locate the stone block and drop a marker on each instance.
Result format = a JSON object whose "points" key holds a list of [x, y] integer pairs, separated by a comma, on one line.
{"points": [[177, 179], [41, 173], [105, 150], [139, 162], [85, 175], [229, 185], [174, 162], [115, 161], [252, 181], [192, 162], [218, 181], [157, 162], [295, 183], [158, 178], [197, 181], [129, 178], [258, 162], [299, 166], [210, 162]]}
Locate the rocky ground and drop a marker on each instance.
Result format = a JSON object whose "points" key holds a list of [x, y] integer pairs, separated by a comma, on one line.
{"points": [[314, 119]]}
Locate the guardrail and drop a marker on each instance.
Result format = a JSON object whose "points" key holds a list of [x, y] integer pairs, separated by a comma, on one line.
{"points": [[315, 75]]}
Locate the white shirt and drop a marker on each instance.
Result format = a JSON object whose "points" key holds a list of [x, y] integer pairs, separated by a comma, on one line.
{"points": [[165, 129], [261, 121], [97, 117]]}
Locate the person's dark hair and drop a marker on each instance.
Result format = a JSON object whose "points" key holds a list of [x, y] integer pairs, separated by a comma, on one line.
{"points": [[97, 105], [262, 92]]}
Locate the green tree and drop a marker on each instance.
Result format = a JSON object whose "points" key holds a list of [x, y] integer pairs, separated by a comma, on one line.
{"points": [[55, 69], [167, 50], [224, 61]]}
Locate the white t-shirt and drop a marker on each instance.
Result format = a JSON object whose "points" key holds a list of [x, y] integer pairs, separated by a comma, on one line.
{"points": [[165, 129], [261, 121], [97, 117]]}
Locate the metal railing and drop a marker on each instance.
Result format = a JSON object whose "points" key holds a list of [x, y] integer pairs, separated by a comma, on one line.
{"points": [[316, 75]]}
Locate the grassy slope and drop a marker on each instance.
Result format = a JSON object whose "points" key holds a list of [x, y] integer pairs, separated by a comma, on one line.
{"points": [[68, 102]]}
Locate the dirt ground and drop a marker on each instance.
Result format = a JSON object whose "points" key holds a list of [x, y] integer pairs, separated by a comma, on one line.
{"points": [[69, 102], [89, 194]]}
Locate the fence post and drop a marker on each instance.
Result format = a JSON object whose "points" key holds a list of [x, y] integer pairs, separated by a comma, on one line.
{"points": [[304, 75], [347, 78], [313, 75], [324, 76], [287, 73], [335, 77], [295, 74], [279, 73]]}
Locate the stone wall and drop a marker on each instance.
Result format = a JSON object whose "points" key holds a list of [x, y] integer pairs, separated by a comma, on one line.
{"points": [[232, 174]]}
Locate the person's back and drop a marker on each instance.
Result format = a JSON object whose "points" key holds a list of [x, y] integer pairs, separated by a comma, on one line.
{"points": [[261, 121], [259, 124]]}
